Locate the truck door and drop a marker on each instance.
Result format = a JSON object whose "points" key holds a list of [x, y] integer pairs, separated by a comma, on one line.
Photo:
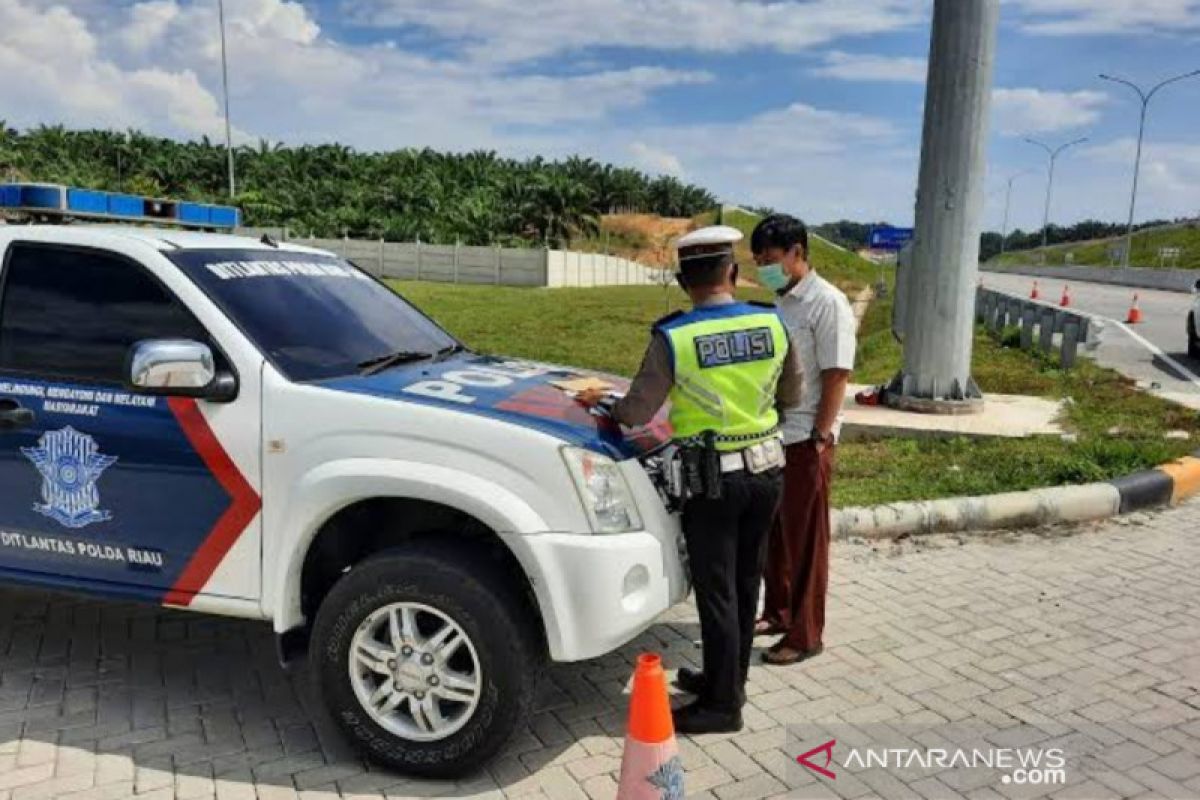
{"points": [[103, 488]]}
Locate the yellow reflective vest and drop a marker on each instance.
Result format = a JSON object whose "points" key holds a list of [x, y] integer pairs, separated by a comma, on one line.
{"points": [[727, 360]]}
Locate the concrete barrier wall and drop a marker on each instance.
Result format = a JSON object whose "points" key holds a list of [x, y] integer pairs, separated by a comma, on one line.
{"points": [[1171, 280], [567, 268], [503, 266], [450, 263]]}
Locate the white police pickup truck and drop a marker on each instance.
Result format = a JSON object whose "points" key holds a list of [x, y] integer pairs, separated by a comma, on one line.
{"points": [[1193, 323], [261, 430]]}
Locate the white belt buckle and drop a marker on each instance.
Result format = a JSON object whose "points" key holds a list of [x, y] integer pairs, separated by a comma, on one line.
{"points": [[732, 462]]}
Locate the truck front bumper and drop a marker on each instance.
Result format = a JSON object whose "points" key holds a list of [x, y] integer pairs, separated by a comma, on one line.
{"points": [[600, 591]]}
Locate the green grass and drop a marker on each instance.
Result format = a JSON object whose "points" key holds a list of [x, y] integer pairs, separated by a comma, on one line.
{"points": [[1146, 245], [1118, 429], [1004, 370], [603, 328]]}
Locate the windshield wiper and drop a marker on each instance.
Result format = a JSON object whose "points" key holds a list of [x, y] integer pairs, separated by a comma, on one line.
{"points": [[378, 364], [446, 352]]}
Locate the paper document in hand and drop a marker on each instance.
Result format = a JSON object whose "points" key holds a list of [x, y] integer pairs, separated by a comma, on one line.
{"points": [[576, 385]]}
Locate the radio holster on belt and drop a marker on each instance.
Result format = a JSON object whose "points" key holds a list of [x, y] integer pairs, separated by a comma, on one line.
{"points": [[701, 468]]}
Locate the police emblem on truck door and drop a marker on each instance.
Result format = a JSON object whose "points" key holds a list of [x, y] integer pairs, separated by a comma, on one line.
{"points": [[70, 463]]}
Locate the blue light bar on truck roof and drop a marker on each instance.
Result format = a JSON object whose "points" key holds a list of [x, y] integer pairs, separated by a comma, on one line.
{"points": [[49, 200]]}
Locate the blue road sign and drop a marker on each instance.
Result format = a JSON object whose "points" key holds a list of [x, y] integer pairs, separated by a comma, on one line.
{"points": [[889, 238]]}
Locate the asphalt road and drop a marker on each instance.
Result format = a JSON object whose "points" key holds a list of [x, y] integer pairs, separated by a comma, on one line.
{"points": [[1154, 351]]}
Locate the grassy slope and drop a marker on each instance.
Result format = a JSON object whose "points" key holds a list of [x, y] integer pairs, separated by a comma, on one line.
{"points": [[1095, 253]]}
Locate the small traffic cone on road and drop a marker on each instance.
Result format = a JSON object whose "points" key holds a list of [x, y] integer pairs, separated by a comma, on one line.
{"points": [[1066, 298], [650, 766], [1135, 313], [1035, 294]]}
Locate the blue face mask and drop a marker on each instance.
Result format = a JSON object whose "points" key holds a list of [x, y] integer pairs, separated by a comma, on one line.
{"points": [[773, 277]]}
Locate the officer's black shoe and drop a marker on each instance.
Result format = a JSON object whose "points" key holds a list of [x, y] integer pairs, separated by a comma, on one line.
{"points": [[695, 719], [690, 680]]}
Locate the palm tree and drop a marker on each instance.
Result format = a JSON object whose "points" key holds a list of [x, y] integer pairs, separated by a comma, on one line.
{"points": [[475, 197]]}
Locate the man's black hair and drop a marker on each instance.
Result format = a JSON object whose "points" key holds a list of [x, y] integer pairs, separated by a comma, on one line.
{"points": [[702, 271], [779, 230]]}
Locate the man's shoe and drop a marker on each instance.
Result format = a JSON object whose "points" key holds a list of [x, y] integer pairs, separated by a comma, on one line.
{"points": [[690, 680], [696, 719], [782, 656], [766, 627]]}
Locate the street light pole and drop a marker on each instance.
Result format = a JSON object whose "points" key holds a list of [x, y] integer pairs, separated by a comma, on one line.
{"points": [[1007, 204], [937, 312], [1054, 154], [225, 87], [1137, 161]]}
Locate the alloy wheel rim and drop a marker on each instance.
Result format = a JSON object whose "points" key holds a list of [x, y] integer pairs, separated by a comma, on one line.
{"points": [[415, 671]]}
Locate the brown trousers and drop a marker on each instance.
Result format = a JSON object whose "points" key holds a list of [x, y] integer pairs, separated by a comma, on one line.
{"points": [[797, 569]]}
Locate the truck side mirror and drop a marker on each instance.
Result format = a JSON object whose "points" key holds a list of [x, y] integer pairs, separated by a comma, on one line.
{"points": [[1196, 288], [178, 367]]}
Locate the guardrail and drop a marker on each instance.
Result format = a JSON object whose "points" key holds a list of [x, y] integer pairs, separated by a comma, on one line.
{"points": [[1050, 325], [1170, 280]]}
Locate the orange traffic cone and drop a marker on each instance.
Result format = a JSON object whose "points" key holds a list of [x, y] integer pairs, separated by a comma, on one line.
{"points": [[1066, 298], [1034, 295], [650, 766], [1135, 313]]}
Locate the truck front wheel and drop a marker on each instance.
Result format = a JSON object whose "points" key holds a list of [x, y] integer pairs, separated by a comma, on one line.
{"points": [[425, 661], [1193, 336]]}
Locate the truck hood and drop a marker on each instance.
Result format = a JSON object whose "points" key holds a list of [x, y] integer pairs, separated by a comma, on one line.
{"points": [[514, 391]]}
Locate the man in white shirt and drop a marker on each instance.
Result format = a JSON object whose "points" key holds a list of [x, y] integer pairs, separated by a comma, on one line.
{"points": [[820, 323]]}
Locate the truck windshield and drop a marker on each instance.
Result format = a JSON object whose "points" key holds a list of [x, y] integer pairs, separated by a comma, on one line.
{"points": [[313, 316]]}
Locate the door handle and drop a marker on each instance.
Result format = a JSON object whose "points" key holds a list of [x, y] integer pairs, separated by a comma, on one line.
{"points": [[13, 416]]}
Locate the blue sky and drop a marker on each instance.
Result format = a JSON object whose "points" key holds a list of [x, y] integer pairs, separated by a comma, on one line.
{"points": [[813, 106]]}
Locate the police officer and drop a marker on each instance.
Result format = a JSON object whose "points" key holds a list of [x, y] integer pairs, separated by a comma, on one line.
{"points": [[720, 365]]}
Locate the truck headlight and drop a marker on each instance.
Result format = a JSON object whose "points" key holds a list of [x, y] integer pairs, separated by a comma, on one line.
{"points": [[602, 488]]}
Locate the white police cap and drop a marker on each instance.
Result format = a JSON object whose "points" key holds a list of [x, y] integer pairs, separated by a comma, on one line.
{"points": [[707, 241]]}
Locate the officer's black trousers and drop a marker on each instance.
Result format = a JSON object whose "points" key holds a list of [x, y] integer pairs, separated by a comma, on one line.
{"points": [[726, 543]]}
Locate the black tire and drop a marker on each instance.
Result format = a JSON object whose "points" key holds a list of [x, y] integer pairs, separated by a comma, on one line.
{"points": [[1193, 337], [475, 596]]}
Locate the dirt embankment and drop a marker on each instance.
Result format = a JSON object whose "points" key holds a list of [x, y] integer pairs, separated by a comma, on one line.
{"points": [[645, 238]]}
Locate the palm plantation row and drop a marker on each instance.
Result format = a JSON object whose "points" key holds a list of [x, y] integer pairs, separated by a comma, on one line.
{"points": [[332, 190]]}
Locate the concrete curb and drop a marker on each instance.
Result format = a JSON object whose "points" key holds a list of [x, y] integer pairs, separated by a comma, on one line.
{"points": [[1167, 484]]}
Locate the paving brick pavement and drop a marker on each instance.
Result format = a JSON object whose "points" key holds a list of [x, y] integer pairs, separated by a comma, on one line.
{"points": [[1089, 638]]}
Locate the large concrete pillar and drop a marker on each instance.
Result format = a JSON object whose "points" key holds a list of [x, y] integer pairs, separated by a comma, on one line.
{"points": [[939, 314]]}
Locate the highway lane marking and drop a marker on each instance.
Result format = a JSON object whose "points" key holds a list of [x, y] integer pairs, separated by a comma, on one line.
{"points": [[1183, 371]]}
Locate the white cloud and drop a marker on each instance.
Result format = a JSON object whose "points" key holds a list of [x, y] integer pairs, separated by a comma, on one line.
{"points": [[64, 78], [655, 160], [537, 28], [1029, 111], [811, 161], [872, 67], [156, 65], [1094, 183], [1091, 17], [1169, 176]]}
